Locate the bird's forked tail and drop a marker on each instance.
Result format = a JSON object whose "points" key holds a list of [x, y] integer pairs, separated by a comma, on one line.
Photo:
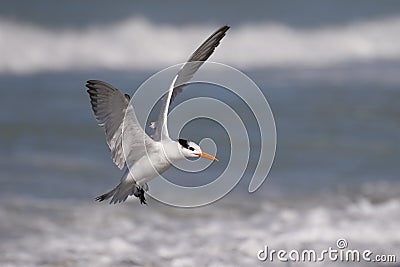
{"points": [[122, 191]]}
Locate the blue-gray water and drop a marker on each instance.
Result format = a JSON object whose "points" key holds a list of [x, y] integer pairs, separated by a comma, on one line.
{"points": [[335, 174]]}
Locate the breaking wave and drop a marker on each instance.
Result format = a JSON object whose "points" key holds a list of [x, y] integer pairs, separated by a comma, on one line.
{"points": [[141, 45]]}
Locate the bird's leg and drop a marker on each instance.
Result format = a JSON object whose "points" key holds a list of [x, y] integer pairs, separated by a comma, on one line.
{"points": [[139, 193], [141, 196]]}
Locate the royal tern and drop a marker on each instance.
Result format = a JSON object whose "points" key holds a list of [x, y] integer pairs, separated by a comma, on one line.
{"points": [[143, 157]]}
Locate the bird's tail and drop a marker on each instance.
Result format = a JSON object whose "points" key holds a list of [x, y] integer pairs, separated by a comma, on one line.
{"points": [[119, 194], [122, 192], [106, 195]]}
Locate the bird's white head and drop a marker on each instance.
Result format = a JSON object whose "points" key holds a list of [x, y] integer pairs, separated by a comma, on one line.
{"points": [[192, 150]]}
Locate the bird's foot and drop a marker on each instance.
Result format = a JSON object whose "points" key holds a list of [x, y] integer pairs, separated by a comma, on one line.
{"points": [[141, 196]]}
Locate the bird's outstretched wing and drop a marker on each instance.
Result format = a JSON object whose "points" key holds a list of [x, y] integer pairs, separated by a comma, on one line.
{"points": [[184, 75], [114, 112]]}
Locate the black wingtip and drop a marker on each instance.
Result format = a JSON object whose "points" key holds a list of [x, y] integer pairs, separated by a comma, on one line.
{"points": [[90, 84], [226, 27], [93, 81]]}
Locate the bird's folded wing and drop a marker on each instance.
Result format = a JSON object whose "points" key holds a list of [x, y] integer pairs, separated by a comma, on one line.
{"points": [[184, 75], [123, 131]]}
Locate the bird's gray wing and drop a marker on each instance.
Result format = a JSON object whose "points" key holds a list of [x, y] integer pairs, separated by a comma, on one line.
{"points": [[183, 76], [110, 107]]}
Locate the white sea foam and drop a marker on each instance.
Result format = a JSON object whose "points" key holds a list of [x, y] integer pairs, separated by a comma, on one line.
{"points": [[140, 44], [43, 233]]}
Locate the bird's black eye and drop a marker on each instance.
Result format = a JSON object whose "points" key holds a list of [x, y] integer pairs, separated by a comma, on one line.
{"points": [[191, 148]]}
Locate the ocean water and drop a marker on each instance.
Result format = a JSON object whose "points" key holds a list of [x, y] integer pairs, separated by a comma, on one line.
{"points": [[331, 81]]}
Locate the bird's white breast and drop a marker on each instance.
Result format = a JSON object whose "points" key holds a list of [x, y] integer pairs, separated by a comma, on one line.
{"points": [[155, 162]]}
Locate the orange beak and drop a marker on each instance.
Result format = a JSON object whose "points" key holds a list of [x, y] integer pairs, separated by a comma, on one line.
{"points": [[207, 156]]}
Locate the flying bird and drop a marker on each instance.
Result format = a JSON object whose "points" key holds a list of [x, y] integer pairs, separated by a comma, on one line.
{"points": [[143, 157]]}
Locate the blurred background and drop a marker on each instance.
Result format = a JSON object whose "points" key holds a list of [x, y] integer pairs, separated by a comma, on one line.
{"points": [[329, 69]]}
